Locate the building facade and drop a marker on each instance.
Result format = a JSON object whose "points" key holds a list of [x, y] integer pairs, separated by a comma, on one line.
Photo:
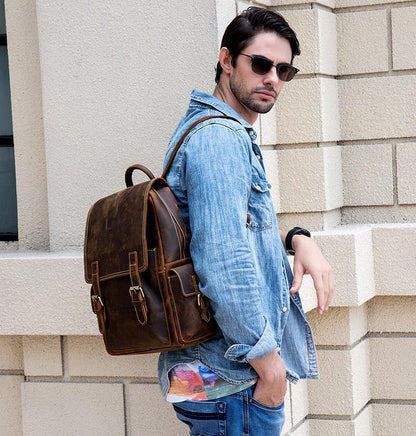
{"points": [[98, 85]]}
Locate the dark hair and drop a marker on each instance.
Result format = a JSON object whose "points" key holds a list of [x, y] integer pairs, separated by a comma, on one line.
{"points": [[242, 30]]}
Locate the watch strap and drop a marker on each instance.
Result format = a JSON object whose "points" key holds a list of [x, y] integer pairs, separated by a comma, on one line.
{"points": [[291, 233]]}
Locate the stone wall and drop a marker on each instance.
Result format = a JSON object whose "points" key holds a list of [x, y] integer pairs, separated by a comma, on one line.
{"points": [[97, 86]]}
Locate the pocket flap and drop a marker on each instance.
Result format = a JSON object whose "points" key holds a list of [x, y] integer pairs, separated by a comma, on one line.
{"points": [[184, 278]]}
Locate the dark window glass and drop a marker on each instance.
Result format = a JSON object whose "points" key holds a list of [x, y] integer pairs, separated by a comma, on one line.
{"points": [[8, 211], [8, 203]]}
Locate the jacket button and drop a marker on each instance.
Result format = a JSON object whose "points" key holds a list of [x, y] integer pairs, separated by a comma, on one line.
{"points": [[284, 309]]}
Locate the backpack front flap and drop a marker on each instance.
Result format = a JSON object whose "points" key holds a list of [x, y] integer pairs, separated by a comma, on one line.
{"points": [[116, 226]]}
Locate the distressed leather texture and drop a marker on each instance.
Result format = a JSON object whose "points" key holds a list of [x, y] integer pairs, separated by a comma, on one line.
{"points": [[136, 257]]}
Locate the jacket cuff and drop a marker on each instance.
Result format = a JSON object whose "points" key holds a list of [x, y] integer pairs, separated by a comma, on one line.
{"points": [[243, 353]]}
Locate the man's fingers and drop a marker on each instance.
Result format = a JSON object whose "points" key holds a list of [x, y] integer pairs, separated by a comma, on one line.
{"points": [[297, 279], [331, 290], [329, 286], [320, 292], [327, 290]]}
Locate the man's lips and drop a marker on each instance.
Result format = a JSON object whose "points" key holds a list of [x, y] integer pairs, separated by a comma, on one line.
{"points": [[266, 94]]}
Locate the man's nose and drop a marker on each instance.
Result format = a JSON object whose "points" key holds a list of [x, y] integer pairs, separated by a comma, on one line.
{"points": [[272, 78]]}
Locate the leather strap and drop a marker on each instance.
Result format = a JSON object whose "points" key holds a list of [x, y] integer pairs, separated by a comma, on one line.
{"points": [[178, 145], [138, 299], [96, 301]]}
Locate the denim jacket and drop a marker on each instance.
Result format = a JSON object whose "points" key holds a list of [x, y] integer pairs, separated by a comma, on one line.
{"points": [[218, 177]]}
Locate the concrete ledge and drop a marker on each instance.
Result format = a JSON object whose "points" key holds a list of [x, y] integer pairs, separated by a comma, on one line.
{"points": [[349, 251], [45, 293]]}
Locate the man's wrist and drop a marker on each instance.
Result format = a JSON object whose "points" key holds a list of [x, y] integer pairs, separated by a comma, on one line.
{"points": [[296, 231], [267, 366]]}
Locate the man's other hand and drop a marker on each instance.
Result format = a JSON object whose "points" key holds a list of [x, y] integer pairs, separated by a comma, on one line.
{"points": [[310, 260], [271, 385]]}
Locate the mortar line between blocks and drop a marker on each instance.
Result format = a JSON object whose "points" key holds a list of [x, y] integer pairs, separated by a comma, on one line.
{"points": [[342, 347], [126, 427], [394, 402], [374, 141], [64, 354], [389, 39], [373, 7], [368, 335], [395, 178], [295, 427], [377, 74], [339, 417], [15, 372]]}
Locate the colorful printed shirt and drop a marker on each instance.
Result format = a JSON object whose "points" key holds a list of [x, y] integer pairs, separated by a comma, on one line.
{"points": [[196, 382]]}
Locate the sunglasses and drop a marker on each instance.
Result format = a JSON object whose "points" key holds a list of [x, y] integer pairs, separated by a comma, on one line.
{"points": [[261, 65]]}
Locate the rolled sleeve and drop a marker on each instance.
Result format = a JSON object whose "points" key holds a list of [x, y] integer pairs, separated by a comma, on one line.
{"points": [[243, 352], [217, 180]]}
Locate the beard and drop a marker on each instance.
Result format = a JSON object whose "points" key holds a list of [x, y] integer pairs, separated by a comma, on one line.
{"points": [[245, 97]]}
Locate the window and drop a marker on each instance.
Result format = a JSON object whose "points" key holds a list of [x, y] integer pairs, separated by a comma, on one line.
{"points": [[8, 202]]}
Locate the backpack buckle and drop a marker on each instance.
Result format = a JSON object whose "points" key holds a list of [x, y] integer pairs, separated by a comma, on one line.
{"points": [[138, 300]]}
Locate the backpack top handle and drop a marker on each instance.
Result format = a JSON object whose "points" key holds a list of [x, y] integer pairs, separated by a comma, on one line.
{"points": [[129, 172]]}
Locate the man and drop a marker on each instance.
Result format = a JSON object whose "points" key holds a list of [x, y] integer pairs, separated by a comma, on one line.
{"points": [[235, 384]]}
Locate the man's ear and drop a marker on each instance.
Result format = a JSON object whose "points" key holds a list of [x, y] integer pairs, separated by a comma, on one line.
{"points": [[224, 59]]}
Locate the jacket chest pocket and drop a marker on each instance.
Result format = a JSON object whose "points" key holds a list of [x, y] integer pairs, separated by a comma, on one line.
{"points": [[260, 208]]}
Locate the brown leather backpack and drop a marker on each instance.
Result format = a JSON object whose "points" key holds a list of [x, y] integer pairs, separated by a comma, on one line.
{"points": [[136, 257]]}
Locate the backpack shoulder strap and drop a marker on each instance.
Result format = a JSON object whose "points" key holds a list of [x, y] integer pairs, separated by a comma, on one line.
{"points": [[182, 139]]}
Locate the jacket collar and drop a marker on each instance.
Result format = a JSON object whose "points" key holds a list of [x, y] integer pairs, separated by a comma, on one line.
{"points": [[209, 100]]}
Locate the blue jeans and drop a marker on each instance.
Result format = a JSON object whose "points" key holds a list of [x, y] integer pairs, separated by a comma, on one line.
{"points": [[234, 415]]}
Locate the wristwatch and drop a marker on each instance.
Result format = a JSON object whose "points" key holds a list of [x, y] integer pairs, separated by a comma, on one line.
{"points": [[291, 234]]}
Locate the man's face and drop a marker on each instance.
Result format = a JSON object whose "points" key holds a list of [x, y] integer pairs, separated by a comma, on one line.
{"points": [[258, 93]]}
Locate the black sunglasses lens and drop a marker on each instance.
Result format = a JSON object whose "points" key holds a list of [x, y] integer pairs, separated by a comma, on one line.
{"points": [[260, 65], [286, 72]]}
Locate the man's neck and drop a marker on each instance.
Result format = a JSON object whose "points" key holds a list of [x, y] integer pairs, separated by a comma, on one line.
{"points": [[224, 94]]}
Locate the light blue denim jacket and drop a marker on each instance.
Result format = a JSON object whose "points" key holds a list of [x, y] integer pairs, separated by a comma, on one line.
{"points": [[217, 173]]}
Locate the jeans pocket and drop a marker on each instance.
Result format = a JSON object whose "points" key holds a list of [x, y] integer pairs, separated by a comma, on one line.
{"points": [[266, 407], [207, 418], [266, 420]]}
